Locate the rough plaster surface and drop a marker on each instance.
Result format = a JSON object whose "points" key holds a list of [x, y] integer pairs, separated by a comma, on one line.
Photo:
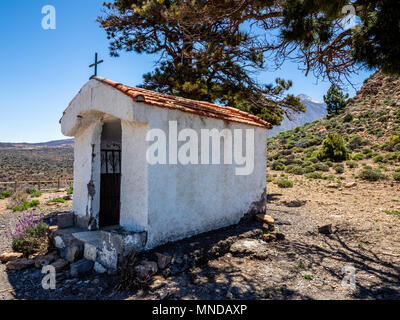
{"points": [[188, 199], [134, 186], [87, 170], [170, 202]]}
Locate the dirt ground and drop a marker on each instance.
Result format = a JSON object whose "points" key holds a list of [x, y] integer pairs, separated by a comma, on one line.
{"points": [[305, 265], [44, 201]]}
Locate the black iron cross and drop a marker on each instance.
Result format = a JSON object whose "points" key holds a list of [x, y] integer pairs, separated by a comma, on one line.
{"points": [[95, 64]]}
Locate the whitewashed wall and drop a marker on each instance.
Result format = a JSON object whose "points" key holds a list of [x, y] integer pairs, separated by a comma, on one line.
{"points": [[184, 200], [171, 202]]}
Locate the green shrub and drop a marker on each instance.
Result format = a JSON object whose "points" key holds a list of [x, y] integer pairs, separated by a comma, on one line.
{"points": [[308, 169], [35, 193], [396, 176], [395, 212], [314, 175], [331, 177], [296, 170], [329, 164], [339, 169], [26, 205], [5, 194], [394, 143], [358, 157], [333, 148], [321, 167], [70, 190], [57, 200], [366, 150], [357, 142], [285, 184], [348, 117], [378, 158], [371, 174], [278, 166], [351, 164]]}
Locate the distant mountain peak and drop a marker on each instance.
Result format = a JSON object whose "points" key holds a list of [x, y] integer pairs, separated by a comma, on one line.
{"points": [[315, 110], [303, 96]]}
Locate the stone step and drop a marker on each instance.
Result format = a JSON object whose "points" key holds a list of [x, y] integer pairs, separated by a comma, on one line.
{"points": [[91, 242], [106, 246], [64, 237]]}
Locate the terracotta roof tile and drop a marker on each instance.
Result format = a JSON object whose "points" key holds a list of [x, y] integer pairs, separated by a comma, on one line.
{"points": [[201, 108]]}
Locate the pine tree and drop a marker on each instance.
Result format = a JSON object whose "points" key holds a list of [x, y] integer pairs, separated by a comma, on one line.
{"points": [[335, 100], [202, 56]]}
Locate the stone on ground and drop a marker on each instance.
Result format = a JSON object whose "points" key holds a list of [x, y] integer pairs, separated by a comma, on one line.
{"points": [[249, 246], [74, 252], [90, 251], [146, 269], [333, 185], [43, 260], [20, 264], [59, 242], [269, 237], [326, 229], [162, 260], [350, 184], [265, 218], [9, 256], [81, 268], [60, 265], [98, 267]]}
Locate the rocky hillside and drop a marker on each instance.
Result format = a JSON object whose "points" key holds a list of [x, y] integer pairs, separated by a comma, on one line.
{"points": [[369, 128], [315, 110]]}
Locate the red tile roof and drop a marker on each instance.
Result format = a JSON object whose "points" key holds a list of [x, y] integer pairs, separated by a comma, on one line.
{"points": [[200, 108]]}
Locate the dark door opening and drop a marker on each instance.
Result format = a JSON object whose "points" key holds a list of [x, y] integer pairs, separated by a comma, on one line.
{"points": [[110, 183]]}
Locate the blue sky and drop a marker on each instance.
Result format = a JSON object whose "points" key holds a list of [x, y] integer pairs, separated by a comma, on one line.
{"points": [[42, 70]]}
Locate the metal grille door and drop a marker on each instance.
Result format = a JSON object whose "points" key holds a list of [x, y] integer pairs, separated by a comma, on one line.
{"points": [[110, 187]]}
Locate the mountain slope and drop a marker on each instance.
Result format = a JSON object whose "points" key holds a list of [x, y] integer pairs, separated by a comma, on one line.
{"points": [[315, 110], [370, 128]]}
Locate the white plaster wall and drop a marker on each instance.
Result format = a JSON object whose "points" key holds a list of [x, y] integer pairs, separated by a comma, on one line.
{"points": [[87, 168], [134, 197], [95, 96], [184, 200]]}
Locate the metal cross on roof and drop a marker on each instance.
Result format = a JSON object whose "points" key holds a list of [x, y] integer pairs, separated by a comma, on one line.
{"points": [[95, 64]]}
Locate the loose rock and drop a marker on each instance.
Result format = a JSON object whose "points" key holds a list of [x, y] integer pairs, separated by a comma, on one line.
{"points": [[98, 267], [327, 229], [81, 268], [268, 237], [333, 186], [9, 256], [350, 184], [20, 264], [60, 265], [43, 260], [74, 252], [265, 218], [162, 260], [146, 269]]}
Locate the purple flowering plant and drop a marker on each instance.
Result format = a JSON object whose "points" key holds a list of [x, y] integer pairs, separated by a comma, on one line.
{"points": [[29, 234]]}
